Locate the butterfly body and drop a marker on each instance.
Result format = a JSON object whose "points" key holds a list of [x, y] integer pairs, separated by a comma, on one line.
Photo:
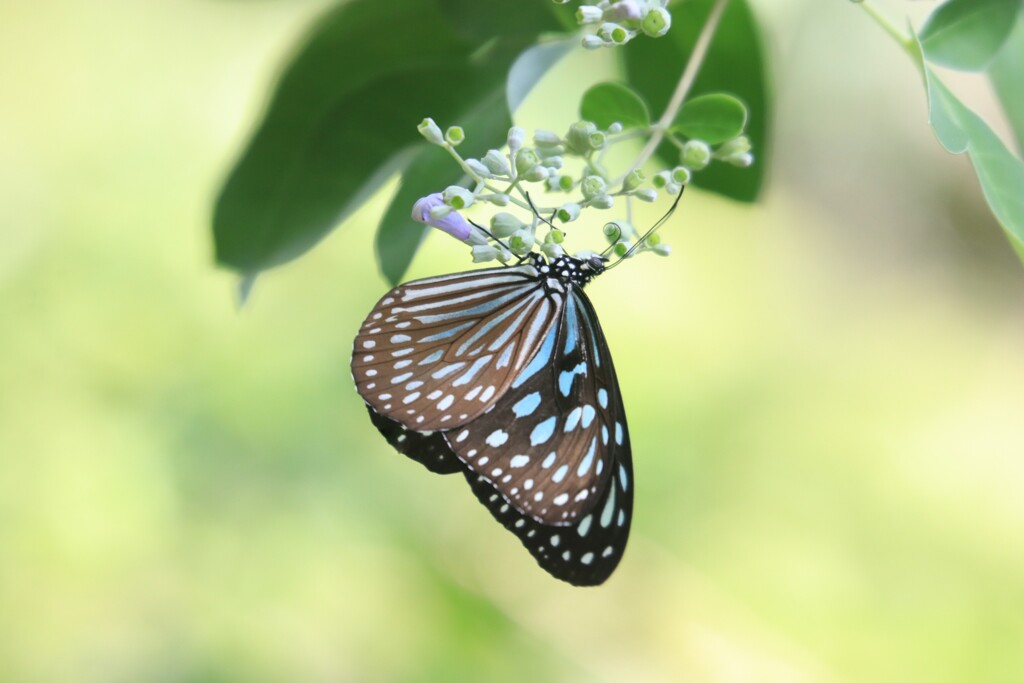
{"points": [[504, 374]]}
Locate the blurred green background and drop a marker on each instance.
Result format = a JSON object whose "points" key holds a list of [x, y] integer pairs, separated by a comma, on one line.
{"points": [[825, 390]]}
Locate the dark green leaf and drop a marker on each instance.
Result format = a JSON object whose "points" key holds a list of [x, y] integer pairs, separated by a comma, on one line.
{"points": [[967, 34], [1007, 74], [433, 169], [1000, 173], [486, 125], [734, 64], [712, 118], [607, 103], [480, 20], [343, 115]]}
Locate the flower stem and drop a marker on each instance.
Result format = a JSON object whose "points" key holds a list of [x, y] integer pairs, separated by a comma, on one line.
{"points": [[700, 51], [901, 36]]}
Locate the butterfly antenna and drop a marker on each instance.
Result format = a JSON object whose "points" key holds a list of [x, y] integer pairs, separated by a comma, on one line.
{"points": [[491, 235], [537, 213], [647, 234]]}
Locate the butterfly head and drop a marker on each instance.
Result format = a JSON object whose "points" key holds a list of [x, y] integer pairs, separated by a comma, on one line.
{"points": [[574, 271]]}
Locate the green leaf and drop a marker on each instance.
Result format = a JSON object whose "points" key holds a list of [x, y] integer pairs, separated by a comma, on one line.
{"points": [[606, 103], [1000, 173], [1007, 74], [967, 34], [433, 169], [343, 119], [712, 118], [478, 20], [734, 64]]}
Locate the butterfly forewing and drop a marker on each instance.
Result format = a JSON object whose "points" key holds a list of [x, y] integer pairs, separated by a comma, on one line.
{"points": [[548, 444], [436, 353]]}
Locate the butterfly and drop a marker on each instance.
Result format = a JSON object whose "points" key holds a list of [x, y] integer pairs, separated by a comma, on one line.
{"points": [[504, 375]]}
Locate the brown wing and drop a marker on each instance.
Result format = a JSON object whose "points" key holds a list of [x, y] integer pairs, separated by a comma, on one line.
{"points": [[437, 353]]}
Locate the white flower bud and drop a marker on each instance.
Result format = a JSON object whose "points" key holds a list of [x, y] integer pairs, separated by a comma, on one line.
{"points": [[537, 173], [733, 147], [633, 180], [553, 162], [568, 212], [589, 14], [602, 202], [526, 159], [552, 250], [458, 197], [454, 135], [546, 137], [484, 252], [476, 237], [615, 128], [498, 199], [615, 33], [430, 130], [593, 186], [579, 137], [504, 224], [646, 194], [521, 242], [497, 163], [545, 151], [662, 249], [479, 168], [592, 42], [516, 136], [656, 22], [744, 160], [696, 154], [680, 175]]}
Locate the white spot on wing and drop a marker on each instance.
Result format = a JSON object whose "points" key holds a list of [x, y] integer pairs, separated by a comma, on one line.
{"points": [[496, 438]]}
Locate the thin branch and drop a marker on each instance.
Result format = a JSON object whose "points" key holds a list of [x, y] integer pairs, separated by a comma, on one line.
{"points": [[700, 50], [901, 36]]}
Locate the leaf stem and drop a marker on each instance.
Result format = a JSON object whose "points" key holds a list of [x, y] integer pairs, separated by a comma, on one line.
{"points": [[700, 50], [901, 36]]}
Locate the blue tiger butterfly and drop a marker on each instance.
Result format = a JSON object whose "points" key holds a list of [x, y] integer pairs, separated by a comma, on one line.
{"points": [[504, 375]]}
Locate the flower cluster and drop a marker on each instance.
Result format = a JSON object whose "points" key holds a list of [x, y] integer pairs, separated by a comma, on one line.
{"points": [[571, 165], [617, 23]]}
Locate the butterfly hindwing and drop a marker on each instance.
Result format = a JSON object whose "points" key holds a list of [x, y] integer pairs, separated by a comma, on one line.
{"points": [[429, 449], [586, 552], [436, 353], [548, 444]]}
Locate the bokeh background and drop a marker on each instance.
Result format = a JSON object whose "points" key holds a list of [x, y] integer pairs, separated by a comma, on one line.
{"points": [[826, 393]]}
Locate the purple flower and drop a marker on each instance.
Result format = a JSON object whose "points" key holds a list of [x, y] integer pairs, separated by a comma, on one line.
{"points": [[453, 223], [627, 9]]}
